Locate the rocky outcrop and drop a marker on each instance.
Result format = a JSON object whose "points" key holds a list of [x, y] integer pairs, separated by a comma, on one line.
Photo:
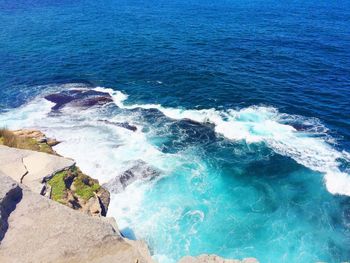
{"points": [[139, 170], [41, 230], [30, 167], [27, 139], [78, 191], [215, 259], [36, 135], [41, 173]]}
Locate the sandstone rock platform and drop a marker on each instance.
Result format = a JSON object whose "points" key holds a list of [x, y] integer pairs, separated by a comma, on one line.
{"points": [[41, 230], [215, 259], [31, 167]]}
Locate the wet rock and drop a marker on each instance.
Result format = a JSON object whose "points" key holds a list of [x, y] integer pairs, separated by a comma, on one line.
{"points": [[83, 98], [125, 125], [139, 171], [90, 102], [59, 99]]}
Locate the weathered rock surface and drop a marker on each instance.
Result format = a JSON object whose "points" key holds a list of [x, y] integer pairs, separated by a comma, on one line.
{"points": [[35, 168], [140, 170], [10, 195], [27, 139], [11, 162], [215, 259], [37, 135], [30, 167], [41, 230]]}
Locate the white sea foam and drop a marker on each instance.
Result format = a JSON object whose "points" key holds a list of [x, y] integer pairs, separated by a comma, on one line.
{"points": [[265, 124], [105, 150]]}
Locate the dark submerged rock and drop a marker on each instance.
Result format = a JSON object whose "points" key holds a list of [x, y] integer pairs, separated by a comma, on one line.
{"points": [[83, 98], [125, 125], [59, 99]]}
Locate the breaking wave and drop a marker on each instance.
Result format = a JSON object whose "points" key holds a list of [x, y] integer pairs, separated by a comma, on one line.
{"points": [[303, 139]]}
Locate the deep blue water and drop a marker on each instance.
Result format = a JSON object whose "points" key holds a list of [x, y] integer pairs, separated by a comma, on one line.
{"points": [[250, 187]]}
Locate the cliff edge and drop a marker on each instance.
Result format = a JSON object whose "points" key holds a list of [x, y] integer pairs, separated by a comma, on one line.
{"points": [[34, 228]]}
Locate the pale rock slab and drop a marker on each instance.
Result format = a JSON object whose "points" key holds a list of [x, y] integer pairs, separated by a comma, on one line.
{"points": [[215, 259], [41, 230], [30, 167]]}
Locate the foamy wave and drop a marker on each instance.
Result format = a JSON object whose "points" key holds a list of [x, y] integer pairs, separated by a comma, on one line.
{"points": [[307, 146], [267, 125]]}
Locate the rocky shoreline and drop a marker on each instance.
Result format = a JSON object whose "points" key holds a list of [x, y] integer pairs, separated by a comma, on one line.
{"points": [[39, 191]]}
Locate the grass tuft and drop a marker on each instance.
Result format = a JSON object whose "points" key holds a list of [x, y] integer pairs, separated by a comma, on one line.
{"points": [[10, 139]]}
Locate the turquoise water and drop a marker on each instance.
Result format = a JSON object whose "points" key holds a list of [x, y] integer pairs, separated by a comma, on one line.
{"points": [[242, 107]]}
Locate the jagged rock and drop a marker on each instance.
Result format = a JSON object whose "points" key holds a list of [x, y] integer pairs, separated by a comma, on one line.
{"points": [[41, 230], [104, 199], [92, 206], [215, 259], [139, 171]]}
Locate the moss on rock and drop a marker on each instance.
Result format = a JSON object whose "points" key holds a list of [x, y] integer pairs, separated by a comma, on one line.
{"points": [[58, 187], [73, 188]]}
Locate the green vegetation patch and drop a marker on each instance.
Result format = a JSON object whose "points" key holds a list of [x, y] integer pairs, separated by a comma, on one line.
{"points": [[59, 189], [85, 187], [74, 181]]}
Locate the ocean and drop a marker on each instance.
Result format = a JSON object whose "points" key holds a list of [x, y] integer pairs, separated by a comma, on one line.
{"points": [[242, 108]]}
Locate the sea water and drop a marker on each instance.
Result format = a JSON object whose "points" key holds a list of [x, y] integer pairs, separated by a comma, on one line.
{"points": [[242, 107]]}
